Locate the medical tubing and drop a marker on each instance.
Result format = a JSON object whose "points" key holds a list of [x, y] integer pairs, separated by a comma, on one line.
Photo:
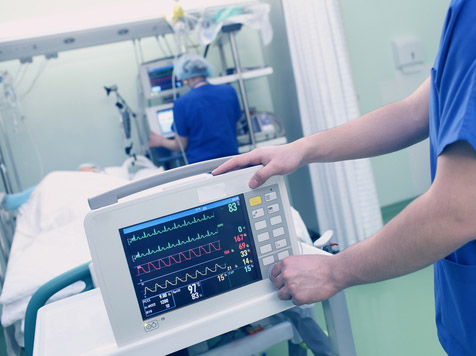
{"points": [[8, 147], [164, 54], [113, 196], [38, 74], [20, 74], [35, 148], [168, 47]]}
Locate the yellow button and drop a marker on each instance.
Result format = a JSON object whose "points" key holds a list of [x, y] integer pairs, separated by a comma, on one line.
{"points": [[255, 201]]}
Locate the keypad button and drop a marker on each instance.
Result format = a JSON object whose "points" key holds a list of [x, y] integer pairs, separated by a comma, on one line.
{"points": [[266, 248], [257, 213], [281, 243], [275, 220], [255, 200], [273, 208], [268, 260], [270, 196], [283, 254], [263, 237], [261, 225], [278, 232]]}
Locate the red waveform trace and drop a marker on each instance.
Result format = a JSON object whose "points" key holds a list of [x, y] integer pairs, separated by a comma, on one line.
{"points": [[177, 258]]}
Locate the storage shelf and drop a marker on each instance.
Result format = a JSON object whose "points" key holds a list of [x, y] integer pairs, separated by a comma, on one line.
{"points": [[254, 73], [272, 142]]}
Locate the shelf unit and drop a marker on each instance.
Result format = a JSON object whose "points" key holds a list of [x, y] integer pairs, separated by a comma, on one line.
{"points": [[250, 74]]}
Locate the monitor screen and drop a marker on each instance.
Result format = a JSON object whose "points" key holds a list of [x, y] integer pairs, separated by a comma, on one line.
{"points": [[166, 120], [191, 255], [160, 79]]}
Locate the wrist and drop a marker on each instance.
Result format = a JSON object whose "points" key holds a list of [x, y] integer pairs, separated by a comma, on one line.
{"points": [[340, 274], [306, 151]]}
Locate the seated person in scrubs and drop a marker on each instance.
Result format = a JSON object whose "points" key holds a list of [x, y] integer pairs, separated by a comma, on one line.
{"points": [[205, 118]]}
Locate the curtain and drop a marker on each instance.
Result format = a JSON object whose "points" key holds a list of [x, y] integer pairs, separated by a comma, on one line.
{"points": [[344, 192]]}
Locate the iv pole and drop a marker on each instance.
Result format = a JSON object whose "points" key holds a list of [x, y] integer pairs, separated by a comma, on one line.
{"points": [[3, 167]]}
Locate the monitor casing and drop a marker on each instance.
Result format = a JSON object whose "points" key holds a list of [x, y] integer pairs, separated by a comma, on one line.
{"points": [[238, 306]]}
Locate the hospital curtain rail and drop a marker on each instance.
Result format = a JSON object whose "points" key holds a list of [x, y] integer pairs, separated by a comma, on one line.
{"points": [[344, 193]]}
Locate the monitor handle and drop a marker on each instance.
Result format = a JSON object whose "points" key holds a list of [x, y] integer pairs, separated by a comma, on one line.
{"points": [[112, 196]]}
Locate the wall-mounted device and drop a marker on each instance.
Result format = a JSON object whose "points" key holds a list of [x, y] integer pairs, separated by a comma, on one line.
{"points": [[408, 54], [198, 249], [157, 78], [161, 119]]}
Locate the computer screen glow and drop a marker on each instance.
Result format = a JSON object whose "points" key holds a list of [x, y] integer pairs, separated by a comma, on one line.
{"points": [[166, 120]]}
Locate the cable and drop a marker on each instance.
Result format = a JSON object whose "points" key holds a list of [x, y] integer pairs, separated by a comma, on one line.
{"points": [[35, 148], [38, 74], [164, 54], [172, 53], [20, 74]]}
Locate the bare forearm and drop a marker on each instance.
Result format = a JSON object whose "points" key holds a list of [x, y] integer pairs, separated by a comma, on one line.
{"points": [[171, 144], [430, 228], [381, 131], [413, 240]]}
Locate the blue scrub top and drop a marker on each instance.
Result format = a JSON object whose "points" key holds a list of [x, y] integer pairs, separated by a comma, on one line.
{"points": [[453, 118], [207, 116]]}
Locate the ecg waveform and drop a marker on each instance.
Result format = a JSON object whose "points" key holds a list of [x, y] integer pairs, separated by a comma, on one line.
{"points": [[177, 279], [177, 258], [189, 239], [166, 229]]}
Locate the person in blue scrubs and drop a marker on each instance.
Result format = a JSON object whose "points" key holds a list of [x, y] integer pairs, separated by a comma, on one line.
{"points": [[439, 226], [205, 118]]}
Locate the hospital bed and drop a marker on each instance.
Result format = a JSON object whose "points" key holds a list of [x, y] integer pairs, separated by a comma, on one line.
{"points": [[49, 241], [44, 237]]}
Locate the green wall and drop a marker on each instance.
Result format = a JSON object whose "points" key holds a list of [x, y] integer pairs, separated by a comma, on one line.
{"points": [[370, 27]]}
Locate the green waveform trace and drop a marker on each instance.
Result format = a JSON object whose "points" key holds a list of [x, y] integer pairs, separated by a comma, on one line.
{"points": [[187, 275], [175, 226], [172, 245]]}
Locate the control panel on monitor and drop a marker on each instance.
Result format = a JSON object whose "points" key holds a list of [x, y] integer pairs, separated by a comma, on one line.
{"points": [[161, 119], [157, 77], [192, 250]]}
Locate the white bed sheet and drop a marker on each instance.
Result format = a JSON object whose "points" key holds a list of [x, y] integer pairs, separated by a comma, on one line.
{"points": [[49, 237]]}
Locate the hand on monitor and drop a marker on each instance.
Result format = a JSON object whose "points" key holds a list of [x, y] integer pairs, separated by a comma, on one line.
{"points": [[305, 279], [276, 160]]}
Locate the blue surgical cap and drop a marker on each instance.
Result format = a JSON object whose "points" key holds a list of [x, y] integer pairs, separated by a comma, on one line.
{"points": [[190, 65]]}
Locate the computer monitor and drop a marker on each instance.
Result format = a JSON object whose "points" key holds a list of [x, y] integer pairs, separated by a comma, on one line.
{"points": [[161, 119], [198, 249], [157, 77]]}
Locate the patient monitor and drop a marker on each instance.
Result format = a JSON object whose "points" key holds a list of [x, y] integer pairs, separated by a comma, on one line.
{"points": [[189, 253], [157, 77]]}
